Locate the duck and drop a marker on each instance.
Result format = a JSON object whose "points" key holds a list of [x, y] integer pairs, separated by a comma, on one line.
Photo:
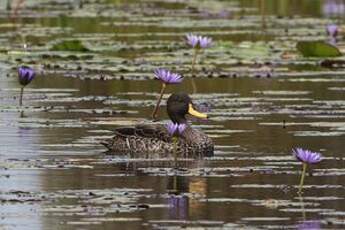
{"points": [[153, 140]]}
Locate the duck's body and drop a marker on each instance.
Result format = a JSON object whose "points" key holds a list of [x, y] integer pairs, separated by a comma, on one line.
{"points": [[154, 140]]}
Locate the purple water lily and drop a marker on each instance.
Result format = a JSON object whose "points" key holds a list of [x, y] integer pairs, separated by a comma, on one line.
{"points": [[197, 41], [333, 7], [332, 30], [175, 129], [306, 156], [168, 77], [192, 40], [205, 42], [25, 75]]}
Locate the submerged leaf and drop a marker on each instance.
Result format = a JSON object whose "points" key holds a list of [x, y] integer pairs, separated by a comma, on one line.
{"points": [[317, 49]]}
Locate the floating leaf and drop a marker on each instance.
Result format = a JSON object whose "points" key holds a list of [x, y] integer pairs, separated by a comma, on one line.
{"points": [[317, 49], [70, 45]]}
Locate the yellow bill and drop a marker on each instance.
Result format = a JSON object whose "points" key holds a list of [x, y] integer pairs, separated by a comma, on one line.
{"points": [[195, 113]]}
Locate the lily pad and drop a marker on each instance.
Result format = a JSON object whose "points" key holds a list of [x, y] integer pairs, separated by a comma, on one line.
{"points": [[70, 45], [317, 49]]}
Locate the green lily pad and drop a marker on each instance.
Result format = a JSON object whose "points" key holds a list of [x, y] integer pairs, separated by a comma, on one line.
{"points": [[245, 50], [317, 49], [70, 45]]}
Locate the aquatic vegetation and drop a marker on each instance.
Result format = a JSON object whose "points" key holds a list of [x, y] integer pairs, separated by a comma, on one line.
{"points": [[175, 130], [25, 76], [127, 40], [197, 42], [333, 8], [317, 49], [306, 157], [332, 32], [70, 45], [166, 77]]}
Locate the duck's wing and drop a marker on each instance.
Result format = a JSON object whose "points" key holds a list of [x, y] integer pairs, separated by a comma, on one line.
{"points": [[144, 131]]}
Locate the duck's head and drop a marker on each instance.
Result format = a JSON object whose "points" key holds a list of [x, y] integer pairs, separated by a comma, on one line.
{"points": [[179, 105]]}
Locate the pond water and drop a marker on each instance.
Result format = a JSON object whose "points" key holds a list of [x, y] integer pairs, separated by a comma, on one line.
{"points": [[265, 99]]}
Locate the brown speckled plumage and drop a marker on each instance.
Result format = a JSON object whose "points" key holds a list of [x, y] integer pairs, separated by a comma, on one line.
{"points": [[152, 141]]}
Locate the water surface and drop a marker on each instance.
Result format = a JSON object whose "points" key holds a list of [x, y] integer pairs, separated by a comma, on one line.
{"points": [[265, 100]]}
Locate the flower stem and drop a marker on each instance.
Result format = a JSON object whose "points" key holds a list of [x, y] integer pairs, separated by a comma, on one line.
{"points": [[175, 183], [21, 96], [302, 178], [196, 51], [154, 113], [175, 150]]}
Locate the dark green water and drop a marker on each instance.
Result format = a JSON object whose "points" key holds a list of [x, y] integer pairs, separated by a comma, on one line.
{"points": [[53, 173]]}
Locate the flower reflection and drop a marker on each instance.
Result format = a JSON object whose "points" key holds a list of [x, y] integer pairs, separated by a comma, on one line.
{"points": [[309, 225], [178, 207]]}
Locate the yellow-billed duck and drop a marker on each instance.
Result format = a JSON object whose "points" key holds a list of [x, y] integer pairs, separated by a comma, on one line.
{"points": [[153, 140]]}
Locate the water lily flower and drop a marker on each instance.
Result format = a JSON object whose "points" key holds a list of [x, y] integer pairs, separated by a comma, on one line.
{"points": [[192, 40], [306, 157], [197, 42], [205, 42], [175, 128], [166, 77], [333, 7], [332, 30], [25, 76]]}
